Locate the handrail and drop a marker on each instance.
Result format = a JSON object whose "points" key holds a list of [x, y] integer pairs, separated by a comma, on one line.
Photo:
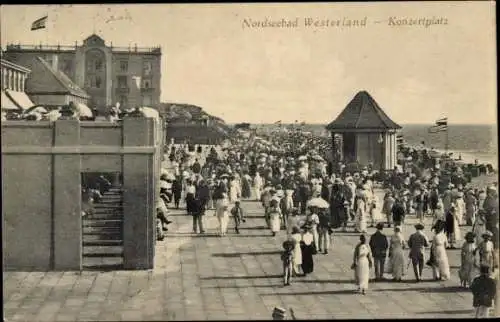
{"points": [[74, 47]]}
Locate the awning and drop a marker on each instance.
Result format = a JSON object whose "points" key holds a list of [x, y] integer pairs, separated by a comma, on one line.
{"points": [[7, 103], [84, 110], [20, 99]]}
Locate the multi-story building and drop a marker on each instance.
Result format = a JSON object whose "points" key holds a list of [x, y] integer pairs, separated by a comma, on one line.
{"points": [[126, 75], [13, 80]]}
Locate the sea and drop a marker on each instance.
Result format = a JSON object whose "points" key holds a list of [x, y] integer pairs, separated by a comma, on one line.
{"points": [[470, 141]]}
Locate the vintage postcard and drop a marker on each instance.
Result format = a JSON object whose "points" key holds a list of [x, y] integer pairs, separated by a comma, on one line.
{"points": [[249, 161]]}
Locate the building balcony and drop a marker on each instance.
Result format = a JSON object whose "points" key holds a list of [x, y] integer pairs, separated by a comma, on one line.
{"points": [[123, 90], [147, 89]]}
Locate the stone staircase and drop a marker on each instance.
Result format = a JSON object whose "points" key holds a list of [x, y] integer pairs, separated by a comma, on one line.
{"points": [[103, 233]]}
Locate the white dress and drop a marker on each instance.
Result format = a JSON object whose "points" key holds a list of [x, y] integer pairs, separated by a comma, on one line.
{"points": [[222, 212], [460, 210], [257, 186], [439, 244], [398, 257], [297, 251], [362, 270], [275, 219], [361, 216]]}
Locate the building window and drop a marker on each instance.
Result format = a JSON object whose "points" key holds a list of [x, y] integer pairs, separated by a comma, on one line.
{"points": [[146, 83], [147, 68], [98, 65], [147, 100], [67, 67], [122, 81], [123, 101], [98, 82], [124, 66]]}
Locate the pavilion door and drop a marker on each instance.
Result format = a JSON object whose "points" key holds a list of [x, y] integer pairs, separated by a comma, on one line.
{"points": [[349, 147]]}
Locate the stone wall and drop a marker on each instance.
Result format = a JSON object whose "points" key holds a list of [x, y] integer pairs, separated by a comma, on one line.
{"points": [[42, 164]]}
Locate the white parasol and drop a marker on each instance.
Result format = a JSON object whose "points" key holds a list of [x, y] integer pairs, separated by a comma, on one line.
{"points": [[302, 158], [318, 203]]}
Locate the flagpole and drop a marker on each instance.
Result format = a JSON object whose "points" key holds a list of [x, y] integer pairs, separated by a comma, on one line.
{"points": [[446, 139]]}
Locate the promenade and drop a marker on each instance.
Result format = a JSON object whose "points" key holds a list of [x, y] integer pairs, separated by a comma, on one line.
{"points": [[200, 277]]}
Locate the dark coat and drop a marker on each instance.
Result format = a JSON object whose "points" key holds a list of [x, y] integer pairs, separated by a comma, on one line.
{"points": [[483, 290], [379, 245], [398, 212]]}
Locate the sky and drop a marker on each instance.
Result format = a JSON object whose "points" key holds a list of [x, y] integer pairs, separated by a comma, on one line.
{"points": [[211, 58]]}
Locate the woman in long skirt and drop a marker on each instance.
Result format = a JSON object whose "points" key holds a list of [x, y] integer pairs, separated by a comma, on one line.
{"points": [[470, 208], [222, 213], [297, 251], [274, 216], [307, 248], [362, 262], [396, 254], [257, 185], [245, 186], [441, 266], [479, 227], [460, 209], [361, 213], [453, 227], [468, 270]]}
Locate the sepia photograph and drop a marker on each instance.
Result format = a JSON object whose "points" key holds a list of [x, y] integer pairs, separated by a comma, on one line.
{"points": [[249, 161]]}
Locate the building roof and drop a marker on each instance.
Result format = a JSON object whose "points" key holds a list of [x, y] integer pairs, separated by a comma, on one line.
{"points": [[362, 112], [52, 81]]}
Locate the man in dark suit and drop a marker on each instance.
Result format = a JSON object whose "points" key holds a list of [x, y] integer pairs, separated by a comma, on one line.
{"points": [[484, 290], [417, 243], [398, 212], [379, 246]]}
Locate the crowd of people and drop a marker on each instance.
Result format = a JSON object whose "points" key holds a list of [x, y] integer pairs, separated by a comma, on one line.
{"points": [[310, 199]]}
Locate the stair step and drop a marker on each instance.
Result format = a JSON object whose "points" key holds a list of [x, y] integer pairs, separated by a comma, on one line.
{"points": [[107, 206], [108, 249], [105, 255], [101, 237], [88, 222], [104, 217], [103, 243], [114, 233], [92, 263], [102, 230]]}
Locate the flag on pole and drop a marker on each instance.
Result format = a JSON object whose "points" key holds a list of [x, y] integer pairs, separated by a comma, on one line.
{"points": [[39, 23], [441, 126]]}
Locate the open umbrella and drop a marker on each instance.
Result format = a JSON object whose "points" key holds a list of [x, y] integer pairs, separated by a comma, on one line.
{"points": [[302, 158], [318, 203], [36, 109], [83, 110]]}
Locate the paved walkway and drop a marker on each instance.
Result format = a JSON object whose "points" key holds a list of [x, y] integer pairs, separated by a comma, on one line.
{"points": [[200, 277]]}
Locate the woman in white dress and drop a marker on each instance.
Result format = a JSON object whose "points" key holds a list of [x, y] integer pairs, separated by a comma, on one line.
{"points": [[441, 266], [460, 208], [257, 186], [222, 213], [361, 213], [234, 190], [362, 262], [396, 254], [297, 251], [312, 220]]}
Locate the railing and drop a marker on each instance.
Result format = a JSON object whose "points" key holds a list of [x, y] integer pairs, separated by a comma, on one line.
{"points": [[123, 89], [152, 50]]}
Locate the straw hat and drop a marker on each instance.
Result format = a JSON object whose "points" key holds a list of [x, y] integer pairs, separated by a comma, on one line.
{"points": [[419, 226], [487, 234]]}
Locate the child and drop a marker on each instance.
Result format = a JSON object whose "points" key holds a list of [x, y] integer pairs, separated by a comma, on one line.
{"points": [[237, 213], [287, 258], [274, 213], [467, 270]]}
